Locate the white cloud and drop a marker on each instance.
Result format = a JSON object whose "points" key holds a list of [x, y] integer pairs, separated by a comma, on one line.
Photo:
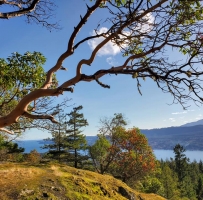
{"points": [[109, 49], [145, 26], [199, 115], [179, 113], [147, 23]]}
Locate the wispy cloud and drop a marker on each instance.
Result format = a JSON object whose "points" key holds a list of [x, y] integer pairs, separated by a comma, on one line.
{"points": [[199, 117], [179, 113], [111, 61], [172, 119]]}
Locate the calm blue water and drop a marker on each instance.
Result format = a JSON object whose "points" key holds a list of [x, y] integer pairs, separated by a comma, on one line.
{"points": [[160, 154], [30, 145], [167, 154]]}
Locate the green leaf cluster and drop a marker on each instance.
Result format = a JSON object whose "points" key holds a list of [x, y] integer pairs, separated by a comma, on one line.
{"points": [[19, 75], [187, 11], [10, 149], [24, 70]]}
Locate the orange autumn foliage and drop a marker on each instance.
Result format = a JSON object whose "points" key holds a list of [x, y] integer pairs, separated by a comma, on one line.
{"points": [[134, 156]]}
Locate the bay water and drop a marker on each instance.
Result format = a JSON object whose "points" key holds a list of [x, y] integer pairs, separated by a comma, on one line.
{"points": [[159, 153]]}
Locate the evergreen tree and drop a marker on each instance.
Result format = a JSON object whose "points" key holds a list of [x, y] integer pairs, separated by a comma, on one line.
{"points": [[180, 162], [201, 166], [169, 182], [190, 185], [199, 189], [187, 188], [9, 149], [56, 144], [75, 140]]}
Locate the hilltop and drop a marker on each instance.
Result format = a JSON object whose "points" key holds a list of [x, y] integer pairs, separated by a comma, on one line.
{"points": [[61, 182]]}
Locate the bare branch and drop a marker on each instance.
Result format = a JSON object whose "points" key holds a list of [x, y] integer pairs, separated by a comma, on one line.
{"points": [[38, 11], [20, 12], [49, 117]]}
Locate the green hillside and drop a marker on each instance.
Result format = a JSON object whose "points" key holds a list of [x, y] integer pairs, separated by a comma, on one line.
{"points": [[61, 182]]}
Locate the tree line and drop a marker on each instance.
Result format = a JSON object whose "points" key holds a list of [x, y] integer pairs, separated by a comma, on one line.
{"points": [[120, 152], [175, 179], [124, 153]]}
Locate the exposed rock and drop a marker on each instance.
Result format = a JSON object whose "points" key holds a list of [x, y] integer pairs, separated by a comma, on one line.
{"points": [[26, 192], [126, 194]]}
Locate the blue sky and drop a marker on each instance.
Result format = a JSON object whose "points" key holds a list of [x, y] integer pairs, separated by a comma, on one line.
{"points": [[151, 110]]}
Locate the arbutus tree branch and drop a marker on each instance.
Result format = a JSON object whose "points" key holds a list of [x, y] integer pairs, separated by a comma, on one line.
{"points": [[38, 11], [70, 45], [31, 116], [20, 12], [143, 49], [7, 131]]}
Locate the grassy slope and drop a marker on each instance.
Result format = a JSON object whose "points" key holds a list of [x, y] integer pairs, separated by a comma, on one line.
{"points": [[23, 181]]}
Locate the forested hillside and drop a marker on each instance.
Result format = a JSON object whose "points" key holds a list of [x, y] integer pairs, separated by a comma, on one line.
{"points": [[166, 138]]}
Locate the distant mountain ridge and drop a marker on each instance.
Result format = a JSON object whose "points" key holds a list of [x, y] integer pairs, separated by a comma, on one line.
{"points": [[199, 122], [189, 135]]}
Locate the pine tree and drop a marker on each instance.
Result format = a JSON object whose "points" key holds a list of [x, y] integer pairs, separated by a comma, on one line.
{"points": [[199, 189], [201, 166], [75, 140], [181, 162], [56, 144]]}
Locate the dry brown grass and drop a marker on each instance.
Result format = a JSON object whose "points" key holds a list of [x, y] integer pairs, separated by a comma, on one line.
{"points": [[15, 177]]}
